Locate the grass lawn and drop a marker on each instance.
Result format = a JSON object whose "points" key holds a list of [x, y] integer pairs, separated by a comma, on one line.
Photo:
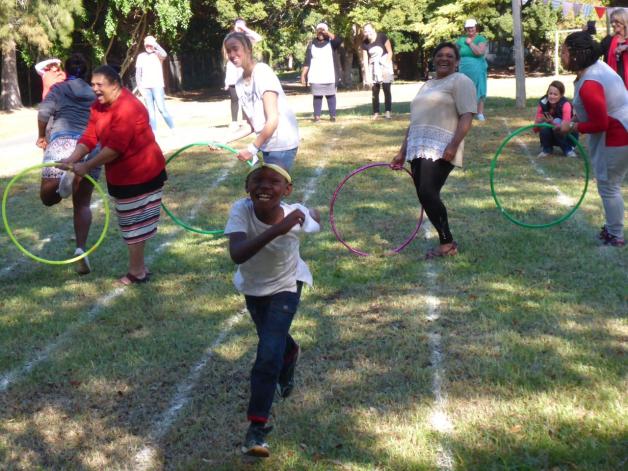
{"points": [[511, 355]]}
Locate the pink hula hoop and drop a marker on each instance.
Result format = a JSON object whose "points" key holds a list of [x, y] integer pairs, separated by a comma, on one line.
{"points": [[332, 222]]}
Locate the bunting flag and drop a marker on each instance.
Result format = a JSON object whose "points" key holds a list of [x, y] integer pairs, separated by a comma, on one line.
{"points": [[545, 2], [556, 4], [567, 7], [577, 7], [601, 11], [586, 10]]}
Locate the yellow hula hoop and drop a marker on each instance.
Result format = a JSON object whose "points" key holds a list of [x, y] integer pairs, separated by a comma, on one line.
{"points": [[5, 197]]}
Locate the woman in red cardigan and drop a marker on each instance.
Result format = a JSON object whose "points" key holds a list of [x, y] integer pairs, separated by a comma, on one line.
{"points": [[615, 47], [134, 164]]}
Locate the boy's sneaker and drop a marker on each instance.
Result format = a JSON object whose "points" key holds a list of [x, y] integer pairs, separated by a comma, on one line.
{"points": [[571, 153], [480, 117], [82, 266], [614, 241], [285, 383], [255, 441], [65, 184], [543, 154]]}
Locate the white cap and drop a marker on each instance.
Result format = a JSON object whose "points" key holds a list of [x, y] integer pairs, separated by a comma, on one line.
{"points": [[471, 23], [322, 26], [150, 40]]}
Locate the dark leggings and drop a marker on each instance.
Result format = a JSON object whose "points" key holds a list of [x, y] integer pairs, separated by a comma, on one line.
{"points": [[318, 105], [387, 97], [234, 103], [429, 177]]}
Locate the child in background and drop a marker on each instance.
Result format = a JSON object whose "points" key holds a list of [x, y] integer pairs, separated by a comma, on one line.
{"points": [[264, 242], [50, 73], [554, 108]]}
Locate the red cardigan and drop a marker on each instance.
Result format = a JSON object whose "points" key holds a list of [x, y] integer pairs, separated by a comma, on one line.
{"points": [[124, 127]]}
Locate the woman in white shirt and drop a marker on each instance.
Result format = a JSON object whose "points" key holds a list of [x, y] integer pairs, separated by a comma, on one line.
{"points": [[264, 106], [233, 73]]}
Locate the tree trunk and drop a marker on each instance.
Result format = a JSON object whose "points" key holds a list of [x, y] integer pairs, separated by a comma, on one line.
{"points": [[346, 65], [10, 99]]}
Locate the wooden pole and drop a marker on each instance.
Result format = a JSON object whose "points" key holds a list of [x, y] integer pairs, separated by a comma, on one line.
{"points": [[520, 73]]}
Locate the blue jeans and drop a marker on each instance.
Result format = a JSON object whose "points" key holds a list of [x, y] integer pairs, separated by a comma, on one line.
{"points": [[272, 316], [550, 138], [285, 158], [152, 97]]}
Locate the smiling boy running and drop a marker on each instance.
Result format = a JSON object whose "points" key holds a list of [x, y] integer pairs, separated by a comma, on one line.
{"points": [[264, 242]]}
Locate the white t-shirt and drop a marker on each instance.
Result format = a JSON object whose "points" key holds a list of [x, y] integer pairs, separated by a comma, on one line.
{"points": [[263, 79], [148, 70], [277, 266]]}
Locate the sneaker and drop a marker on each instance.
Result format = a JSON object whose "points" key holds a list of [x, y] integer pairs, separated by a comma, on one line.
{"points": [[255, 441], [375, 116], [543, 154], [65, 184], [234, 126], [614, 241], [332, 119], [285, 383], [603, 235], [316, 119], [480, 117], [571, 153], [82, 266], [387, 115]]}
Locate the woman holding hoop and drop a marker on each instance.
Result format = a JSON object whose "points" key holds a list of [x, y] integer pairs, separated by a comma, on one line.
{"points": [[233, 73], [601, 104], [264, 106], [68, 104], [440, 117], [134, 164]]}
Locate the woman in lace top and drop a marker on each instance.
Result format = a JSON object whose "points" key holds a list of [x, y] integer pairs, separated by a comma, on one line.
{"points": [[440, 117]]}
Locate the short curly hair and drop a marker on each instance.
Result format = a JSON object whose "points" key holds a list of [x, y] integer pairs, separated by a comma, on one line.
{"points": [[583, 50]]}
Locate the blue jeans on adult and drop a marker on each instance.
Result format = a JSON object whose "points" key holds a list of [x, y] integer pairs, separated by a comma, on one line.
{"points": [[152, 97], [272, 316], [285, 158], [550, 138]]}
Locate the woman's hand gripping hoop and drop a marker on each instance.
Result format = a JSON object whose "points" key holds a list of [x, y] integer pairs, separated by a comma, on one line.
{"points": [[5, 219], [585, 162], [332, 222], [179, 222]]}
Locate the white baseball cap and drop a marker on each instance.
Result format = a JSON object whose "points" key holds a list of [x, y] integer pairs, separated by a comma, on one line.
{"points": [[322, 26], [471, 23], [150, 40]]}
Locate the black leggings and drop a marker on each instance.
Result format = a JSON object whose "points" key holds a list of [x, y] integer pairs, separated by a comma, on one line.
{"points": [[429, 177], [387, 97], [235, 105]]}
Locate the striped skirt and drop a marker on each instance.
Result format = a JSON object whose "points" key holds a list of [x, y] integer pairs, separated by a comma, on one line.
{"points": [[138, 216]]}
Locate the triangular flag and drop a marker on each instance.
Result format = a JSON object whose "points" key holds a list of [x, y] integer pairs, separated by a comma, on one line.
{"points": [[545, 2], [576, 8], [523, 2], [556, 4], [586, 10], [601, 11], [567, 7]]}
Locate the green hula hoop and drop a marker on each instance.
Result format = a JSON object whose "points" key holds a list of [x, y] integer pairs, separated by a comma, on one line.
{"points": [[585, 161], [178, 221], [5, 196]]}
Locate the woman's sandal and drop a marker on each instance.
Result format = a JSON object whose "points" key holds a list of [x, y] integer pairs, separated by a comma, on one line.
{"points": [[437, 252], [130, 279]]}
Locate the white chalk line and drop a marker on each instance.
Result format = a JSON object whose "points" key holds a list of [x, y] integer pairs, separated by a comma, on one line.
{"points": [[439, 420], [146, 457], [10, 377]]}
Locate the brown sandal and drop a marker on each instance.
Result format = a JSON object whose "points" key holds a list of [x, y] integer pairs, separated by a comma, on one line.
{"points": [[437, 252], [130, 279]]}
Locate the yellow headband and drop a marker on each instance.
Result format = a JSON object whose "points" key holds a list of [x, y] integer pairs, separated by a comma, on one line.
{"points": [[277, 168]]}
